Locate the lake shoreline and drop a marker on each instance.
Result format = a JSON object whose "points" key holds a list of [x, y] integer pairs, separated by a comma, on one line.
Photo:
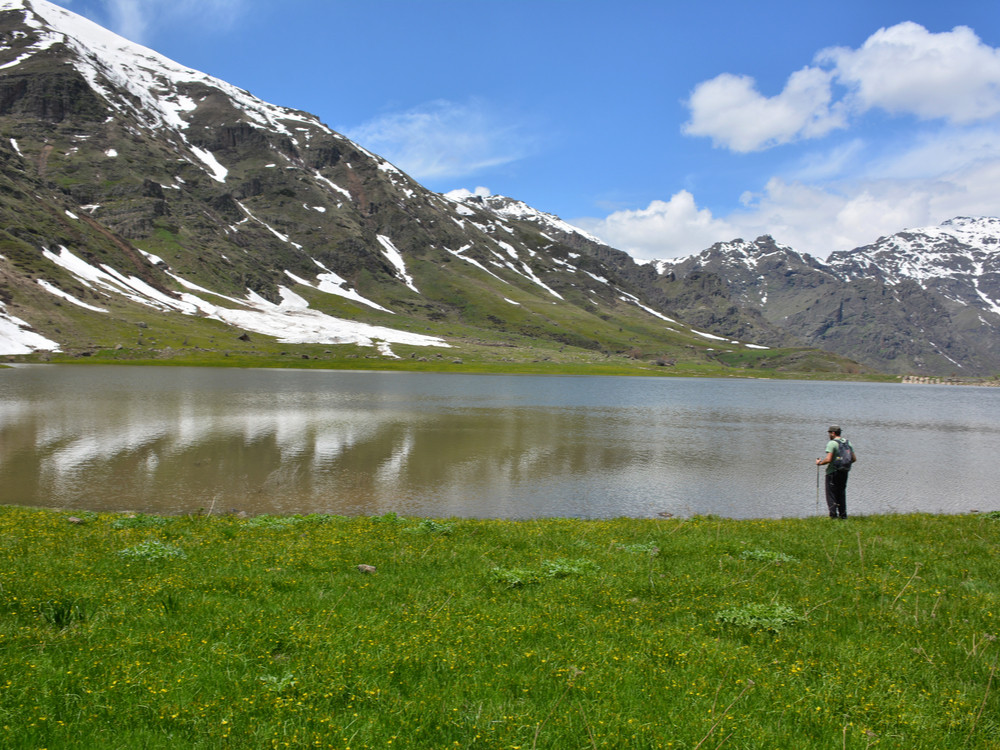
{"points": [[616, 369], [80, 516], [535, 369]]}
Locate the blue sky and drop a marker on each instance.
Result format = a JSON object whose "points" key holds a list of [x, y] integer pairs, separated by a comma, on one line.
{"points": [[662, 127]]}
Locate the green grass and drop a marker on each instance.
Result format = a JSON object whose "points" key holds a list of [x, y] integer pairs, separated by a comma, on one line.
{"points": [[484, 333], [473, 358], [224, 632]]}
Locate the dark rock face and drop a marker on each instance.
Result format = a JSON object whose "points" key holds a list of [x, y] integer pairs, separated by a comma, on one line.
{"points": [[52, 98], [921, 301]]}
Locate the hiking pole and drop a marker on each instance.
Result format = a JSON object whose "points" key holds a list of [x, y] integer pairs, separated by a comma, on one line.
{"points": [[817, 489]]}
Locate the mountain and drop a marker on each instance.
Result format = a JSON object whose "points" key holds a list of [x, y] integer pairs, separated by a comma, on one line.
{"points": [[960, 259], [920, 301], [151, 212]]}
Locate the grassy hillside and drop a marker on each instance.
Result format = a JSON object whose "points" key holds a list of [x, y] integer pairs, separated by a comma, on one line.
{"points": [[105, 224], [206, 632]]}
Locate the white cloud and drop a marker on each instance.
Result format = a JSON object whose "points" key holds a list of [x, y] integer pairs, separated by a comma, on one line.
{"points": [[812, 218], [820, 219], [137, 19], [730, 111], [664, 229], [903, 70], [128, 18], [930, 154], [445, 139], [831, 163], [869, 183], [906, 69]]}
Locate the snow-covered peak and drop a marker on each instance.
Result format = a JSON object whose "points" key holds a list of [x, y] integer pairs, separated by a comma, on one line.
{"points": [[737, 252], [959, 247], [974, 232], [960, 259], [161, 87], [983, 227], [515, 210]]}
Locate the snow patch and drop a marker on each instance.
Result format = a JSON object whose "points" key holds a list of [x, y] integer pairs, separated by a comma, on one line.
{"points": [[215, 170], [526, 272], [938, 350], [396, 258], [626, 297], [331, 283], [268, 227], [53, 289], [709, 335], [474, 262], [509, 208], [290, 321], [334, 186], [385, 350], [109, 280], [16, 337], [595, 277], [156, 260], [508, 248]]}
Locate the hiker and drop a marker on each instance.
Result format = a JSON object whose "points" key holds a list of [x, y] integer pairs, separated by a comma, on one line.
{"points": [[839, 457]]}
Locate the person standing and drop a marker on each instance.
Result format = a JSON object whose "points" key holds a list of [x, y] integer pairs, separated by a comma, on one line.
{"points": [[836, 474]]}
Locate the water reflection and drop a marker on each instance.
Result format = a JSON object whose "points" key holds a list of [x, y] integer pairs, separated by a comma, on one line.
{"points": [[179, 440]]}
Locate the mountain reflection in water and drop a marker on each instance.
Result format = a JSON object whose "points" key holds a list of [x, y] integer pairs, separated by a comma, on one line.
{"points": [[176, 440]]}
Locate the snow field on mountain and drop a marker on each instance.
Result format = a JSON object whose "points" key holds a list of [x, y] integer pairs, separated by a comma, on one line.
{"points": [[291, 321], [17, 338], [155, 82]]}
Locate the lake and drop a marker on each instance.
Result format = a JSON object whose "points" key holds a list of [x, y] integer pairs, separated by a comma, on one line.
{"points": [[178, 440]]}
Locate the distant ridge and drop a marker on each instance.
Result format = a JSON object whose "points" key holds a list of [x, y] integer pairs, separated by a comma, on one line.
{"points": [[921, 301]]}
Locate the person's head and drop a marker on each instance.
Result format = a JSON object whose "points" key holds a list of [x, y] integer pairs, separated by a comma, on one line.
{"points": [[834, 430]]}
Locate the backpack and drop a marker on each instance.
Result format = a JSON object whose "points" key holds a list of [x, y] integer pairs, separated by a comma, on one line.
{"points": [[845, 455]]}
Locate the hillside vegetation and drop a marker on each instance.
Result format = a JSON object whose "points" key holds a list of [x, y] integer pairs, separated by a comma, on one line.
{"points": [[204, 226]]}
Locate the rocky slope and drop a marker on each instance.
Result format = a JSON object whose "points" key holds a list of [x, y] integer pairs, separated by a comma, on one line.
{"points": [[923, 301], [148, 208]]}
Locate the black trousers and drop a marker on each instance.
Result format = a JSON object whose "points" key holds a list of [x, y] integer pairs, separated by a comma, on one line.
{"points": [[836, 493]]}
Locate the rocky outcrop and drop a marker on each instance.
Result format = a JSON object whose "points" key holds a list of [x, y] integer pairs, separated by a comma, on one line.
{"points": [[923, 301]]}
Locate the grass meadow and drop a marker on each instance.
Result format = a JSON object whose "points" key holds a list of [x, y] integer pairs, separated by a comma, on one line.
{"points": [[134, 631]]}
